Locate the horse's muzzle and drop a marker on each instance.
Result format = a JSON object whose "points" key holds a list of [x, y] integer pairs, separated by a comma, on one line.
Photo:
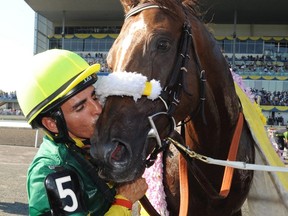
{"points": [[112, 155], [120, 156]]}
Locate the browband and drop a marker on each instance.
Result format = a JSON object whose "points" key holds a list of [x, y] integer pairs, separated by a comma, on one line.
{"points": [[140, 8]]}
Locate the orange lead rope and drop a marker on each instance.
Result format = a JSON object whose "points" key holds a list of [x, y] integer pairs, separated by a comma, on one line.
{"points": [[228, 174]]}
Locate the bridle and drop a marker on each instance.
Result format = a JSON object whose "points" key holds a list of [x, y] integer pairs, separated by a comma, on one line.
{"points": [[171, 93]]}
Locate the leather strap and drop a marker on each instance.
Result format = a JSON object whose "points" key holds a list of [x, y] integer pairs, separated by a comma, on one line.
{"points": [[227, 177], [228, 174], [184, 187], [183, 175], [148, 206]]}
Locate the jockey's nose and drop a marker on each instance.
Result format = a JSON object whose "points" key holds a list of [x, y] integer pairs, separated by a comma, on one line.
{"points": [[96, 107]]}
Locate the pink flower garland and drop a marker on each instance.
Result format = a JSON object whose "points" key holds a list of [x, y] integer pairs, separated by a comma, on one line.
{"points": [[238, 79], [155, 192]]}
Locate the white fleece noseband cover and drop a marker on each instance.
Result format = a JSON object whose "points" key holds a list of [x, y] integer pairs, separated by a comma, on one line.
{"points": [[126, 84]]}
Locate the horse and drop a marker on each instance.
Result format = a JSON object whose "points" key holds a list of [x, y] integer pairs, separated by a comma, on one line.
{"points": [[167, 40]]}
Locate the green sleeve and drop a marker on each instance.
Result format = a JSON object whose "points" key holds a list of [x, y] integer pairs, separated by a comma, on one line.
{"points": [[37, 198]]}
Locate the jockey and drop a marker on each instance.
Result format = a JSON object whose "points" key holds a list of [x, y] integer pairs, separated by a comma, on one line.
{"points": [[57, 95], [281, 137]]}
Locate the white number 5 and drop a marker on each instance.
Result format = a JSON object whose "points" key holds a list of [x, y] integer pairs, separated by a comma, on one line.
{"points": [[66, 192]]}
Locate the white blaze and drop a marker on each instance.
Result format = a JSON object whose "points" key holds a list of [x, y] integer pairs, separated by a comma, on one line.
{"points": [[128, 40]]}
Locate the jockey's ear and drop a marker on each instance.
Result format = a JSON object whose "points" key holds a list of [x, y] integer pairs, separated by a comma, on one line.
{"points": [[50, 124]]}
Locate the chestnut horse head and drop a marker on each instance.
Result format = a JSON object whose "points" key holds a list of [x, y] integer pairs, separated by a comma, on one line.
{"points": [[166, 40]]}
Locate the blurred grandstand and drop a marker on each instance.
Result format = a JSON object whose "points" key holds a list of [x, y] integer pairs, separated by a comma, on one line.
{"points": [[252, 35]]}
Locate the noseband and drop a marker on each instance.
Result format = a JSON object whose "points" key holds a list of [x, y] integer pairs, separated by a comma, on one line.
{"points": [[171, 93]]}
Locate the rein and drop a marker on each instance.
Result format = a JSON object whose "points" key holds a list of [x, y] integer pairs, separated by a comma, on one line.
{"points": [[228, 174]]}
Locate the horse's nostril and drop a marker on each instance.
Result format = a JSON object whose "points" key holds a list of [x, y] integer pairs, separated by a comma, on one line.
{"points": [[120, 155], [116, 154]]}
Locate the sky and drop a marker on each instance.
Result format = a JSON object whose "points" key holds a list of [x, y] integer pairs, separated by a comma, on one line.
{"points": [[16, 40]]}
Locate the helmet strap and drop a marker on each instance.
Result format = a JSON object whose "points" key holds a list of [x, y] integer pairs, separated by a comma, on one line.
{"points": [[62, 136]]}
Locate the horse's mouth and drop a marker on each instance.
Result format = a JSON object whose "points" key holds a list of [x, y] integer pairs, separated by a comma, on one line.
{"points": [[120, 155], [118, 166]]}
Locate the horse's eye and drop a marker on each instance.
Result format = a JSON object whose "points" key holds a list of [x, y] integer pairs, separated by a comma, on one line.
{"points": [[163, 45]]}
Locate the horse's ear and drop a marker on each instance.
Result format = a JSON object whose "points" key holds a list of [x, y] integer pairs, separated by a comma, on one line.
{"points": [[128, 4]]}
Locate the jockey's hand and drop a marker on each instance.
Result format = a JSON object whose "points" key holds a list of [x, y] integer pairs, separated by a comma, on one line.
{"points": [[134, 190]]}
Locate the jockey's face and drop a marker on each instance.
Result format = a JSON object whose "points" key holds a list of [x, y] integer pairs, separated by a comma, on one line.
{"points": [[81, 113]]}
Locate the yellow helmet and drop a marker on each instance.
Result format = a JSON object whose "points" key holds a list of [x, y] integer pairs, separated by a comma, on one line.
{"points": [[50, 78]]}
